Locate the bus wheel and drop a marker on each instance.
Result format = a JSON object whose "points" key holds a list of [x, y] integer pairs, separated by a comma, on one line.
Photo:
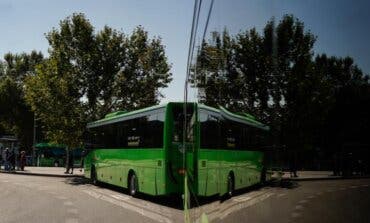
{"points": [[132, 185], [230, 185], [56, 163], [94, 178]]}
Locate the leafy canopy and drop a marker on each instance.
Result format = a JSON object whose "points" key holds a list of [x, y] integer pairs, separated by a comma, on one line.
{"points": [[16, 116], [90, 74], [276, 76]]}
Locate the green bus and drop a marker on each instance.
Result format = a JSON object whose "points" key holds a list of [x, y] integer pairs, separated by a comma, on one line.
{"points": [[147, 151], [54, 155]]}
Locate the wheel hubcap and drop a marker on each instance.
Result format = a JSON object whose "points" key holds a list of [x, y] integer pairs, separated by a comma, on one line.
{"points": [[133, 185], [230, 185]]}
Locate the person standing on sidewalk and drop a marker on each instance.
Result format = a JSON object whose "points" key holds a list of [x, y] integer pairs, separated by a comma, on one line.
{"points": [[22, 160], [6, 157], [3, 156], [293, 164], [70, 162], [11, 159]]}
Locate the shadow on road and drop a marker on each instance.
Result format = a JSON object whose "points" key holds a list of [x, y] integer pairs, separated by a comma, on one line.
{"points": [[176, 202], [77, 181], [289, 184], [285, 183], [168, 201]]}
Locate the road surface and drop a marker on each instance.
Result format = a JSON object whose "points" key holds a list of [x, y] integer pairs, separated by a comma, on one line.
{"points": [[73, 200]]}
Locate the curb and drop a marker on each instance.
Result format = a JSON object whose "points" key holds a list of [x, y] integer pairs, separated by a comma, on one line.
{"points": [[42, 174], [283, 179], [325, 178]]}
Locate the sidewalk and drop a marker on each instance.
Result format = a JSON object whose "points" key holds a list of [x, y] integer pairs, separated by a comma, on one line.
{"points": [[45, 171], [59, 172], [311, 175], [318, 175]]}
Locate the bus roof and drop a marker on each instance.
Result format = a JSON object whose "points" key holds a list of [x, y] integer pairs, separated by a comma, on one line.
{"points": [[245, 118], [118, 116], [123, 115]]}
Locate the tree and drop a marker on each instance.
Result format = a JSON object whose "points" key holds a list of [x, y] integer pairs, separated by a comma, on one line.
{"points": [[275, 77], [212, 64], [144, 71], [294, 65], [344, 101], [54, 98], [90, 74], [16, 116]]}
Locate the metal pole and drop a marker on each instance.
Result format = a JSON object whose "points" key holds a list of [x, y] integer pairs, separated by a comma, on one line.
{"points": [[34, 138]]}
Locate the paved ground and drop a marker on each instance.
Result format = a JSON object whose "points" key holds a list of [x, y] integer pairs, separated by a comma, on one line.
{"points": [[309, 201], [303, 175], [73, 200], [46, 171], [59, 172]]}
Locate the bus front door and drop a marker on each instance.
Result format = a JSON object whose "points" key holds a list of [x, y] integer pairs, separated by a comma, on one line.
{"points": [[182, 156]]}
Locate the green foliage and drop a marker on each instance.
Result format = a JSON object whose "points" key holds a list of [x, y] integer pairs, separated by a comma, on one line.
{"points": [[52, 96], [90, 74], [275, 77], [18, 66], [15, 115]]}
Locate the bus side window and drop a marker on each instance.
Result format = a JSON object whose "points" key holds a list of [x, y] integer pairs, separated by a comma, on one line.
{"points": [[133, 138], [109, 136], [210, 131], [154, 132], [229, 135], [120, 139]]}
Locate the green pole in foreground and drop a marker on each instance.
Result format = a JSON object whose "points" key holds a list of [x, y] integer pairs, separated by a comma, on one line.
{"points": [[203, 217], [186, 200]]}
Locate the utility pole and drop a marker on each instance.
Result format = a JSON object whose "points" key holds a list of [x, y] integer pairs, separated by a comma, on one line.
{"points": [[34, 139]]}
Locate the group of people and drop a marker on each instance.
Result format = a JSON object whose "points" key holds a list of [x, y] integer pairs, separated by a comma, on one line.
{"points": [[10, 160]]}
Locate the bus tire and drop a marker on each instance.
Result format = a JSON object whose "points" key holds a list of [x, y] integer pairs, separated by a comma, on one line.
{"points": [[94, 179], [132, 185], [230, 185]]}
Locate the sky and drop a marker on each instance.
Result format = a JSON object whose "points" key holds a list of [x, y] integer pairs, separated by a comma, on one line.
{"points": [[341, 26]]}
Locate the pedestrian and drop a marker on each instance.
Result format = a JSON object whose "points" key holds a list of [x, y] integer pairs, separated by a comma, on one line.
{"points": [[6, 159], [336, 169], [83, 155], [293, 164], [3, 157], [82, 164], [70, 162], [11, 159], [22, 160]]}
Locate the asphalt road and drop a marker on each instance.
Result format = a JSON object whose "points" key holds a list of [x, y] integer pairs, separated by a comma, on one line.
{"points": [[49, 199], [309, 202]]}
